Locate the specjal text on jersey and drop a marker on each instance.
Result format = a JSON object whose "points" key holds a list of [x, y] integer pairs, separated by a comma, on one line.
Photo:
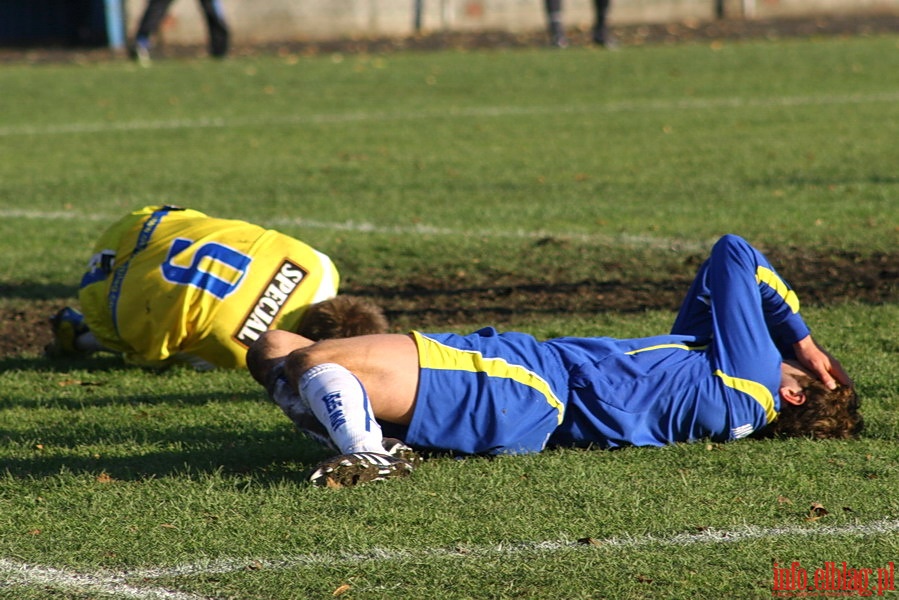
{"points": [[270, 302]]}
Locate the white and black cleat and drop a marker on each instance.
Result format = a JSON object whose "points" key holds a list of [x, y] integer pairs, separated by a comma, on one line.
{"points": [[399, 449], [359, 467]]}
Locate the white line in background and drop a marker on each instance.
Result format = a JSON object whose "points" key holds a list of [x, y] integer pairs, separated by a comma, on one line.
{"points": [[450, 113], [617, 240]]}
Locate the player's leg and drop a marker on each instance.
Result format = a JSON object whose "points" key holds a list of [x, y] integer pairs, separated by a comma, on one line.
{"points": [[601, 33], [345, 384], [348, 382], [147, 28], [218, 27], [554, 22]]}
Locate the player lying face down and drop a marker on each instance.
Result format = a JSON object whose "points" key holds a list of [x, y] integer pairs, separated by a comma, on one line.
{"points": [[167, 284], [738, 361]]}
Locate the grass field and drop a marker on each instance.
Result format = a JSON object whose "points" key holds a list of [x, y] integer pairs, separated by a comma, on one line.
{"points": [[463, 169]]}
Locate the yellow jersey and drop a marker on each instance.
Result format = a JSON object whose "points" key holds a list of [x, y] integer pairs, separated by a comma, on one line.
{"points": [[167, 283]]}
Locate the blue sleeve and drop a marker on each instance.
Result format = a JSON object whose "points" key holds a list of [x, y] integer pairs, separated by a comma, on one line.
{"points": [[754, 314], [750, 317], [778, 302]]}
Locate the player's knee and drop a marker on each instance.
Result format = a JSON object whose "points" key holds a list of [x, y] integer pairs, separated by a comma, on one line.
{"points": [[731, 241], [265, 351], [732, 249], [303, 359]]}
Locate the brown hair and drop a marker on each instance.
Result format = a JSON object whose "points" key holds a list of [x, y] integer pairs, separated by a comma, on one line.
{"points": [[341, 317], [824, 414]]}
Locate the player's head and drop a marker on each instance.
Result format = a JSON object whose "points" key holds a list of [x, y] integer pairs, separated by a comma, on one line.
{"points": [[340, 317], [824, 414]]}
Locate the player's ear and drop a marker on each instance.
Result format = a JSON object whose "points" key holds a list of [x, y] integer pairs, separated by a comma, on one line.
{"points": [[792, 395]]}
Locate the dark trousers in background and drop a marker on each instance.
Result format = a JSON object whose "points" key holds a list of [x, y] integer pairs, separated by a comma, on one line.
{"points": [[601, 10], [215, 21]]}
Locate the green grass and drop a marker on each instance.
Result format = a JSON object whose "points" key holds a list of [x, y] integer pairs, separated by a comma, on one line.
{"points": [[452, 165]]}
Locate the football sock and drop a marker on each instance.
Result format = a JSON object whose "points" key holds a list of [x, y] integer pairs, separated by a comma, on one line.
{"points": [[340, 403]]}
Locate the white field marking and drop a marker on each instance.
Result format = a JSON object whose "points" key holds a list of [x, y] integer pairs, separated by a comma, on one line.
{"points": [[709, 536], [447, 113], [617, 240], [20, 574], [115, 583]]}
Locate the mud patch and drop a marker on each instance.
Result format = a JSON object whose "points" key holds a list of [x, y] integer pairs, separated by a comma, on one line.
{"points": [[818, 280], [427, 303]]}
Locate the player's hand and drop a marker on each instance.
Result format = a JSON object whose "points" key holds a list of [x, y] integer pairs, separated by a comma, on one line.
{"points": [[825, 367]]}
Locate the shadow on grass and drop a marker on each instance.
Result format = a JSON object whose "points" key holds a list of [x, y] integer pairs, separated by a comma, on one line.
{"points": [[98, 363], [151, 435], [268, 456]]}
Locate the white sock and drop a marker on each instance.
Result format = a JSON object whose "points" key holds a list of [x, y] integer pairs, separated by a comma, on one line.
{"points": [[339, 401]]}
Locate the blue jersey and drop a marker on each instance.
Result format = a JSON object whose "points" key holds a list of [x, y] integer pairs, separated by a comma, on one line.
{"points": [[715, 376]]}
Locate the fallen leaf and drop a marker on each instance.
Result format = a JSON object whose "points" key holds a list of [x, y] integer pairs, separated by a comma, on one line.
{"points": [[589, 541], [104, 478], [342, 590], [816, 511]]}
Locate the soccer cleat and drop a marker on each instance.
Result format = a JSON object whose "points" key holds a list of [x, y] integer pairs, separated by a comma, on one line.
{"points": [[398, 449], [67, 325], [359, 467]]}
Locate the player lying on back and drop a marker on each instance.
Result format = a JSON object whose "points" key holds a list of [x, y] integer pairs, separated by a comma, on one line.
{"points": [[738, 361], [167, 284]]}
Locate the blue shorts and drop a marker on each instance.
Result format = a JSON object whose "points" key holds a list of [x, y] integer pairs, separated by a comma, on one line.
{"points": [[486, 393]]}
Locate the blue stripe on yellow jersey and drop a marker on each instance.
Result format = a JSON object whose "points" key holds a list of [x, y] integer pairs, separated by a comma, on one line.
{"points": [[170, 283]]}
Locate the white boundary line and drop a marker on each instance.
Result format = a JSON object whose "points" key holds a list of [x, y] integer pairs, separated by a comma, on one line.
{"points": [[21, 574], [447, 113], [709, 536], [115, 583], [618, 240]]}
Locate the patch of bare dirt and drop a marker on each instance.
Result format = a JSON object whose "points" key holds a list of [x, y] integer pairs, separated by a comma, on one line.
{"points": [[430, 304], [818, 279]]}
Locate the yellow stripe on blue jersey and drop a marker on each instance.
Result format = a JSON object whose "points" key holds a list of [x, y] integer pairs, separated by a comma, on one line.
{"points": [[770, 278], [756, 390], [194, 287], [666, 346], [434, 355]]}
